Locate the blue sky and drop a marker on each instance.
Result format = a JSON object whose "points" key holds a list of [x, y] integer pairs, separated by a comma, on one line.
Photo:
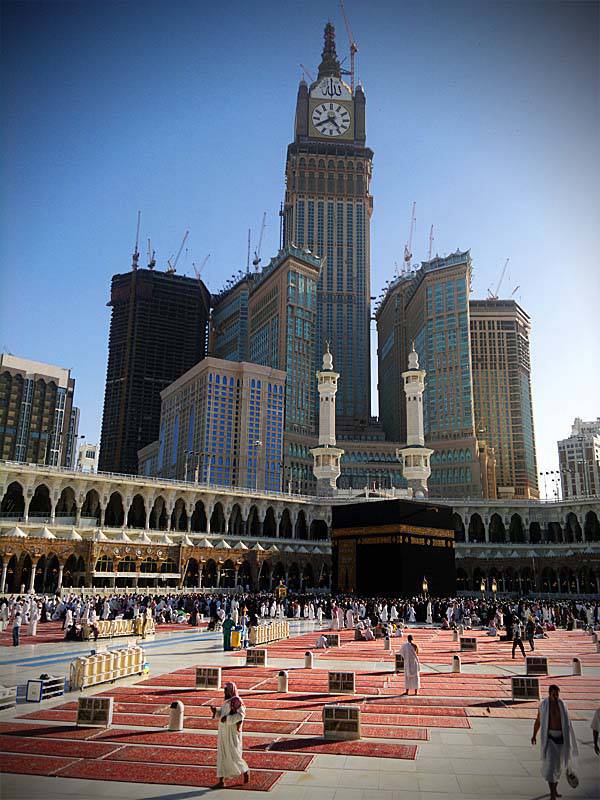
{"points": [[486, 113]]}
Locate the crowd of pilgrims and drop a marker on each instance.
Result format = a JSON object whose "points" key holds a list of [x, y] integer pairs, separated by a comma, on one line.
{"points": [[74, 610]]}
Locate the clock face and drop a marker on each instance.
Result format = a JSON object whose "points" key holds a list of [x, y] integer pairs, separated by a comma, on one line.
{"points": [[331, 119]]}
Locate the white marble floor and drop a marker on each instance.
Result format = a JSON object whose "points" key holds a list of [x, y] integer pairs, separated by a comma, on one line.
{"points": [[494, 760]]}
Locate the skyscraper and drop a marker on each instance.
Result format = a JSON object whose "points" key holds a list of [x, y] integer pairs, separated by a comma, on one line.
{"points": [[429, 306], [328, 209], [158, 330], [38, 421], [502, 392], [579, 460]]}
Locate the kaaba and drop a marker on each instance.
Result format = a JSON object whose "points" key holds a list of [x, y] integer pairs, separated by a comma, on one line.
{"points": [[387, 547]]}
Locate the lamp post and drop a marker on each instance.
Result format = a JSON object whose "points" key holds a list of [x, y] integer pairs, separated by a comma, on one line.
{"points": [[482, 587], [494, 588], [425, 587]]}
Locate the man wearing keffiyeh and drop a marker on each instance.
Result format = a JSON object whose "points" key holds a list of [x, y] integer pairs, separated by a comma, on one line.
{"points": [[231, 715]]}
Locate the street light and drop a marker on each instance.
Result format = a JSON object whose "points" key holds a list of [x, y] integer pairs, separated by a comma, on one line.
{"points": [[494, 588], [482, 587], [425, 586]]}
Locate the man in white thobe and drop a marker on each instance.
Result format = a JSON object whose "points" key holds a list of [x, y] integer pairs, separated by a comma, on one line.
{"points": [[412, 667], [558, 745], [34, 615]]}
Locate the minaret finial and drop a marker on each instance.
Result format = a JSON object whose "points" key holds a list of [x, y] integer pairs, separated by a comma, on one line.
{"points": [[327, 357], [330, 64], [413, 358]]}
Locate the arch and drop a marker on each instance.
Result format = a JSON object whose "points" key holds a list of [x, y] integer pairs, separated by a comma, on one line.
{"points": [[572, 528], [300, 530], [198, 521], [535, 532], [104, 564], [70, 572], [548, 581], [293, 580], [192, 569], [158, 516], [179, 516], [478, 576], [66, 505], [462, 580], [12, 576], [25, 571], [269, 523], [253, 522], [40, 569], [244, 576], [13, 502], [236, 522], [114, 517], [209, 574], [510, 582], [325, 577], [527, 581], [126, 564], [50, 583], [459, 527], [516, 532], [278, 574], [308, 577], [136, 516], [217, 519], [264, 577], [587, 581], [228, 574], [40, 505], [285, 525], [148, 565], [497, 529], [591, 527], [476, 529], [318, 530], [91, 506]]}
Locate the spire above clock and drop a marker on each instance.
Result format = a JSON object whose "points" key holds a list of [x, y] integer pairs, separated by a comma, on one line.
{"points": [[330, 64]]}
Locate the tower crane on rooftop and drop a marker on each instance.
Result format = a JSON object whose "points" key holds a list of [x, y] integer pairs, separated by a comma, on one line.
{"points": [[136, 253], [151, 256], [408, 246], [256, 259], [352, 42], [173, 267], [494, 295]]}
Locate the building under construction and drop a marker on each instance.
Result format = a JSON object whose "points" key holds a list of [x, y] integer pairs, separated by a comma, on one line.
{"points": [[158, 330]]}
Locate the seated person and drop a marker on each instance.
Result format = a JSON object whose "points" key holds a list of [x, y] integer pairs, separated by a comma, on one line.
{"points": [[74, 633], [368, 634], [322, 643], [445, 625], [492, 629], [467, 622]]}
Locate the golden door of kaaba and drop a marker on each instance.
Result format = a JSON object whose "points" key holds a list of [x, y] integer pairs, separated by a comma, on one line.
{"points": [[389, 547]]}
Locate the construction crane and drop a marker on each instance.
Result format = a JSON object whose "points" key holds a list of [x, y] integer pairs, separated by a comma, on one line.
{"points": [[494, 295], [307, 73], [408, 246], [430, 243], [248, 253], [256, 259], [151, 256], [173, 267], [352, 42], [136, 253]]}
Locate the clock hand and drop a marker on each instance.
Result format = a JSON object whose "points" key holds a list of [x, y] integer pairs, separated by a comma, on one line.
{"points": [[323, 121]]}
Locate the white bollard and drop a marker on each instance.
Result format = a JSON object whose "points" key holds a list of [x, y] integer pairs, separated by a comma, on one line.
{"points": [[176, 716], [594, 638], [455, 663], [308, 660], [461, 630], [455, 636], [576, 666], [282, 681], [387, 643]]}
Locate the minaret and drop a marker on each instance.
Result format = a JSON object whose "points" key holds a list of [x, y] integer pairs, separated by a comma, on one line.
{"points": [[327, 456], [415, 456]]}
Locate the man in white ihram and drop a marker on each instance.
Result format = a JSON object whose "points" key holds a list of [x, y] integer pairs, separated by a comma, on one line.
{"points": [[558, 744], [412, 667]]}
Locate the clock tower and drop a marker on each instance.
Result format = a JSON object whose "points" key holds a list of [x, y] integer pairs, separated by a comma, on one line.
{"points": [[328, 209]]}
